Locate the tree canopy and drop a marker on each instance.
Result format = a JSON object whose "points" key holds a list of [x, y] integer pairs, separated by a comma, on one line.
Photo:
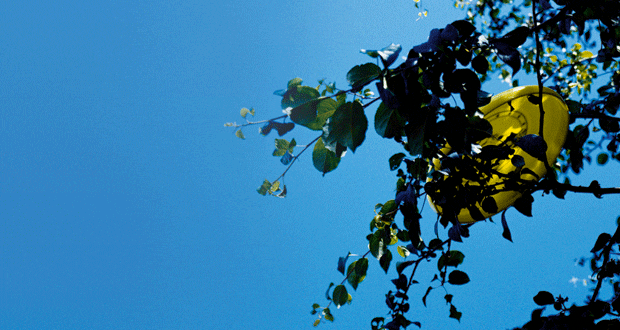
{"points": [[430, 102]]}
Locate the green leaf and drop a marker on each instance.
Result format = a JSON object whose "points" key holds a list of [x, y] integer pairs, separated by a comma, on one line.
{"points": [[324, 159], [324, 109], [356, 272], [388, 122], [415, 137], [298, 95], [389, 206], [294, 83], [395, 160], [453, 258], [316, 322], [361, 75], [246, 111], [602, 158], [377, 244], [348, 125], [239, 134], [306, 113], [328, 315], [340, 295], [458, 277], [264, 188], [385, 260], [361, 266], [544, 298]]}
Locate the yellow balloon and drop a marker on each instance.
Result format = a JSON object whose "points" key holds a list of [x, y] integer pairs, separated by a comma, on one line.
{"points": [[517, 112]]}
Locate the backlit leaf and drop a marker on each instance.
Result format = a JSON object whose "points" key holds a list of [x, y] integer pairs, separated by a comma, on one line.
{"points": [[388, 122], [324, 109], [298, 95], [348, 125], [361, 75], [340, 295], [239, 134], [324, 159]]}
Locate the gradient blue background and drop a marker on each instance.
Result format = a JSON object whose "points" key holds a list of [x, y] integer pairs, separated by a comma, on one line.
{"points": [[125, 203]]}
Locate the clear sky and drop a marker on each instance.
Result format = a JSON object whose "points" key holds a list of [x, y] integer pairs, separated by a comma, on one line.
{"points": [[126, 204]]}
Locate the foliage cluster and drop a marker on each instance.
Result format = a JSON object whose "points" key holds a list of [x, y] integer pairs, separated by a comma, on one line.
{"points": [[431, 100]]}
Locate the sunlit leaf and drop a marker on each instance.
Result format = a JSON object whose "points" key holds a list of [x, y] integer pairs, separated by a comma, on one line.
{"points": [[239, 134]]}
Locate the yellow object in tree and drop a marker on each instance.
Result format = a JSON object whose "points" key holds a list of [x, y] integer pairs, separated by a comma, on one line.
{"points": [[514, 114]]}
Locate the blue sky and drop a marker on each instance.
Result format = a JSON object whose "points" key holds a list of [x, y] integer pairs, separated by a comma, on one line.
{"points": [[125, 203]]}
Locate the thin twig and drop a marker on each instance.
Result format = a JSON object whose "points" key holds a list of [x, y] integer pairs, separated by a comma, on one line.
{"points": [[297, 156]]}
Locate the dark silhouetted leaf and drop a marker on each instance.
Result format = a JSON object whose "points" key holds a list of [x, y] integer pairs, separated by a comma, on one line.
{"points": [[361, 75], [602, 158], [524, 205], [506, 234], [426, 295], [609, 125], [534, 145], [452, 258], [464, 27], [516, 37], [458, 277], [303, 114], [455, 314], [395, 160], [544, 298], [601, 241], [385, 260], [480, 64], [509, 55], [489, 205], [388, 122], [517, 161], [400, 266]]}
